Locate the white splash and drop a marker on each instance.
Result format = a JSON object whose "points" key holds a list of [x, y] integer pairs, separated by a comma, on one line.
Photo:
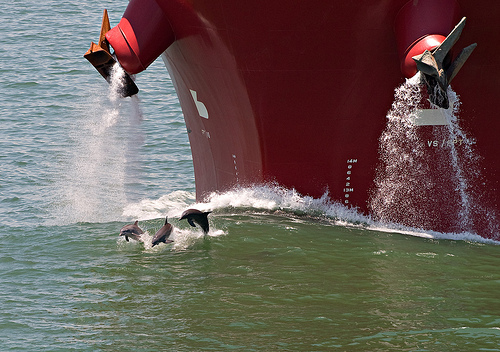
{"points": [[103, 157], [272, 199], [171, 205], [269, 198], [415, 172]]}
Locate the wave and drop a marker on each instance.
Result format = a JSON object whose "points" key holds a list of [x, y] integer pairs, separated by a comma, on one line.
{"points": [[277, 200]]}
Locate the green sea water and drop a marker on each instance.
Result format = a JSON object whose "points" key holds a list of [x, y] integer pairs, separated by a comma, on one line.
{"points": [[277, 271]]}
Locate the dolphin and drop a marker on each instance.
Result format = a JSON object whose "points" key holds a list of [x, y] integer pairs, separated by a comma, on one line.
{"points": [[132, 230], [195, 216], [163, 234]]}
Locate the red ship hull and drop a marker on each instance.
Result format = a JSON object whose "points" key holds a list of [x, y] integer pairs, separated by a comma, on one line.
{"points": [[297, 94]]}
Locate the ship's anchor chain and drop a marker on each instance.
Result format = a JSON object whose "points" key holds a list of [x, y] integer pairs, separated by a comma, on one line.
{"points": [[438, 71]]}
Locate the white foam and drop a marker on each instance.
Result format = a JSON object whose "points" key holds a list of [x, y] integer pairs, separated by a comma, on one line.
{"points": [[171, 205], [186, 238], [182, 239], [408, 231], [276, 200]]}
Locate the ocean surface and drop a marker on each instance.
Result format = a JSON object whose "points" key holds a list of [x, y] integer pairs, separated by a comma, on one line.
{"points": [[277, 271]]}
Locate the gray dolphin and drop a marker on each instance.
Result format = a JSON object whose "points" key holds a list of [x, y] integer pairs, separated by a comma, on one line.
{"points": [[132, 230], [163, 234], [195, 216]]}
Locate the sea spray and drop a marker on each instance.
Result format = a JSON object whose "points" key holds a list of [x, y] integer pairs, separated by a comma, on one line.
{"points": [[103, 158], [428, 175]]}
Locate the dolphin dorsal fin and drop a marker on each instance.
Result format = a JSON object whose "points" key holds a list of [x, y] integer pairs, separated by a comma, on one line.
{"points": [[166, 220], [135, 223]]}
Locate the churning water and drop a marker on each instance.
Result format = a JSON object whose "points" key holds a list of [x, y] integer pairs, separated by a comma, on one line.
{"points": [[277, 271]]}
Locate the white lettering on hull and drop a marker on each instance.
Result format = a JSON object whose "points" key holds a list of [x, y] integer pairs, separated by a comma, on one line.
{"points": [[451, 142]]}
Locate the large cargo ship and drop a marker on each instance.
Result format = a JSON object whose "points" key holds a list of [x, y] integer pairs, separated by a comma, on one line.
{"points": [[302, 94]]}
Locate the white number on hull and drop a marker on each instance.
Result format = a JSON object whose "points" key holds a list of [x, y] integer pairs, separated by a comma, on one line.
{"points": [[348, 187]]}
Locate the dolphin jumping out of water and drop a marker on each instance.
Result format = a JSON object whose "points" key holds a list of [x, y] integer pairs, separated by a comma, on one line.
{"points": [[163, 234], [132, 230], [195, 216]]}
